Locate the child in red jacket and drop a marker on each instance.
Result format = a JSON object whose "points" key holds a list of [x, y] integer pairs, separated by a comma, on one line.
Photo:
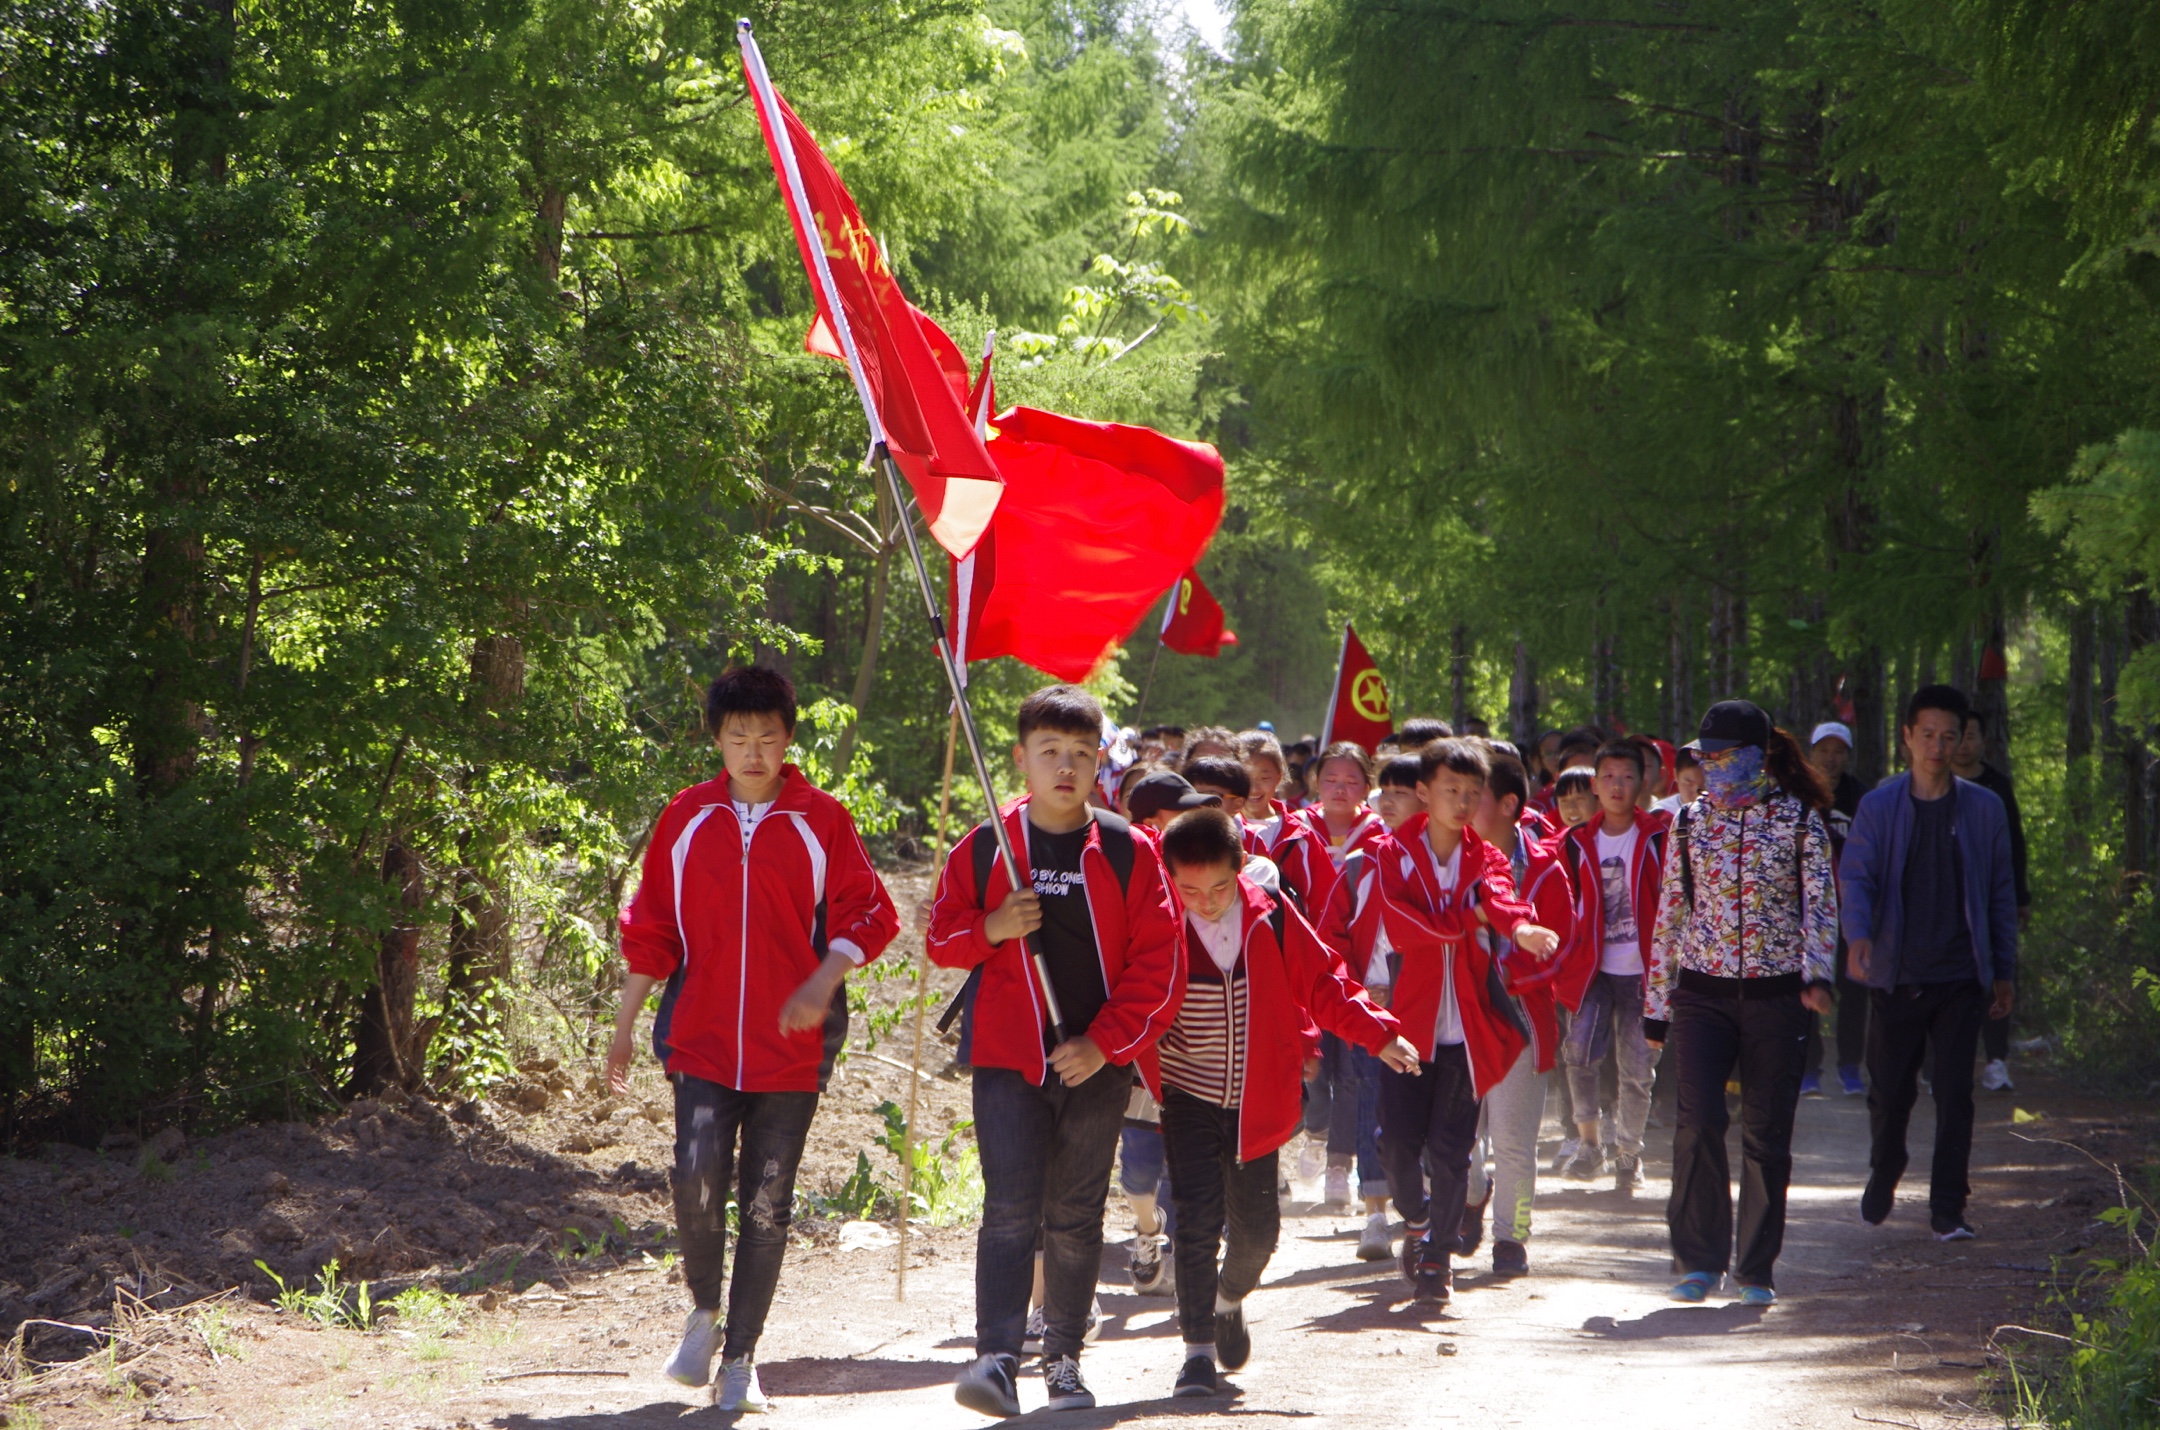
{"points": [[1231, 1065], [756, 900], [1048, 1111], [1439, 885], [1615, 862]]}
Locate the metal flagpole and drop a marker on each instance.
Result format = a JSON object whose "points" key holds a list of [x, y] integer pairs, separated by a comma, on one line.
{"points": [[922, 1001], [881, 458], [1327, 726]]}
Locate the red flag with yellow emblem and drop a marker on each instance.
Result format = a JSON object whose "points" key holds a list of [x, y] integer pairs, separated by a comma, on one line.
{"points": [[1193, 619], [1358, 711], [910, 394]]}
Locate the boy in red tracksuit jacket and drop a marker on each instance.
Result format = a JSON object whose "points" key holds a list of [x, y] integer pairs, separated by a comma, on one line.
{"points": [[1048, 1112], [757, 898], [1615, 862], [1514, 1109], [1231, 1064], [1439, 884]]}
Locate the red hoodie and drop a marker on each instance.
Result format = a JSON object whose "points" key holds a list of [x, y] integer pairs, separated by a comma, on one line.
{"points": [[1552, 899], [748, 919], [1309, 867], [1436, 933], [1289, 982], [1577, 854], [1138, 937]]}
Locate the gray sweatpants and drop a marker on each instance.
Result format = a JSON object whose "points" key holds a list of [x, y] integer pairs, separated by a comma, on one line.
{"points": [[1508, 1127], [1610, 1019]]}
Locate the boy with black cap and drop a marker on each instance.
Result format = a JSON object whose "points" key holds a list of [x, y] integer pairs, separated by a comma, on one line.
{"points": [[1050, 1099]]}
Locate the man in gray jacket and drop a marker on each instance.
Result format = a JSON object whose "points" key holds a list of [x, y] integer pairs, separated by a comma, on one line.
{"points": [[1929, 909]]}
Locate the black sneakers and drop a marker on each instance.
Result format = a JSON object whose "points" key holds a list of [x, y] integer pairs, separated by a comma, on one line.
{"points": [[1435, 1279], [1875, 1201], [1951, 1228], [1197, 1379], [988, 1386], [1509, 1258], [1471, 1234], [1232, 1341], [1412, 1253], [1061, 1377], [1586, 1164]]}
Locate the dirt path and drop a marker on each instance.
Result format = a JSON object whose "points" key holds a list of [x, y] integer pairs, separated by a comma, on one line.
{"points": [[1878, 1325]]}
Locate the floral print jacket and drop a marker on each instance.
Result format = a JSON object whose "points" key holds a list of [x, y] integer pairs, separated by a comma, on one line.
{"points": [[1765, 898]]}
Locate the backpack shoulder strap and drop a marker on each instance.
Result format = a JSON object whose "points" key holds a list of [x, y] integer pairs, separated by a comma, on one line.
{"points": [[1117, 846], [1279, 919], [983, 852], [1687, 865]]}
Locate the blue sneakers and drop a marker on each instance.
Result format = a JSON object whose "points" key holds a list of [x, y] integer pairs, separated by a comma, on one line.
{"points": [[1757, 1296], [1811, 1084], [1850, 1077], [1694, 1288]]}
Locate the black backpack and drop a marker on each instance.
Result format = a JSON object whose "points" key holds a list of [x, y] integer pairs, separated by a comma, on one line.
{"points": [[1117, 846]]}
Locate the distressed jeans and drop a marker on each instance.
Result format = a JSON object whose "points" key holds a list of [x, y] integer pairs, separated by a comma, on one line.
{"points": [[1611, 1018], [771, 1127]]}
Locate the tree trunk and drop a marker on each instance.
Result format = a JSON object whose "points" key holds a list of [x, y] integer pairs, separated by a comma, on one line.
{"points": [[1991, 683], [2141, 626], [480, 935], [2078, 726], [1459, 677], [1523, 700], [1864, 687], [1682, 654], [384, 1051]]}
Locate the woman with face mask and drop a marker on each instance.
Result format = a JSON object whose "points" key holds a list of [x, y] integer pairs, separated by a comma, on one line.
{"points": [[1742, 958]]}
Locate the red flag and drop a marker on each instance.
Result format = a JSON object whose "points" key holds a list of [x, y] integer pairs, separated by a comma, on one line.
{"points": [[1097, 519], [905, 386], [1358, 711], [1193, 619]]}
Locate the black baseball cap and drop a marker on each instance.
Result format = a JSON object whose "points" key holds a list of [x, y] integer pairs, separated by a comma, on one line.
{"points": [[1166, 789], [1730, 724]]}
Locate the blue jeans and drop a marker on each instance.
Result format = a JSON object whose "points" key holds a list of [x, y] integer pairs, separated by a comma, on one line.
{"points": [[1047, 1153], [1142, 1171]]}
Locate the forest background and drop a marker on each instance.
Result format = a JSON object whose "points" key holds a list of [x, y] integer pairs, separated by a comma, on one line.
{"points": [[405, 414]]}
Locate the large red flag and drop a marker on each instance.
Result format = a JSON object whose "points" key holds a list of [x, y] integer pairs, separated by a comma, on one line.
{"points": [[924, 425], [1358, 711], [1193, 619], [1097, 520]]}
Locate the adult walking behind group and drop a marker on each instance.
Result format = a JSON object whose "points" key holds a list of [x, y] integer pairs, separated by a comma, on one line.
{"points": [[1740, 963], [1930, 916]]}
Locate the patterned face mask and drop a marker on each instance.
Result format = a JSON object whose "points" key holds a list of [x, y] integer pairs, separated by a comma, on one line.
{"points": [[1736, 778]]}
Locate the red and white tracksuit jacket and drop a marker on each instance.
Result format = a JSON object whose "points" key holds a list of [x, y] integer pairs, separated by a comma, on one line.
{"points": [[1435, 933], [1577, 853], [748, 914], [1139, 939], [1533, 981], [1289, 984], [1309, 866]]}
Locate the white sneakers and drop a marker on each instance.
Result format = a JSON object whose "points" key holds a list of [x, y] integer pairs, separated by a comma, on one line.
{"points": [[1995, 1077], [739, 1388], [1338, 1188], [692, 1362], [1372, 1243]]}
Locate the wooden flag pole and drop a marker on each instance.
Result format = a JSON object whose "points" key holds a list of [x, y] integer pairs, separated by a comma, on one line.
{"points": [[922, 1001]]}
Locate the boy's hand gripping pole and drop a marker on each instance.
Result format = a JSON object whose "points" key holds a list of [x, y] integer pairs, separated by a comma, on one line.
{"points": [[881, 458]]}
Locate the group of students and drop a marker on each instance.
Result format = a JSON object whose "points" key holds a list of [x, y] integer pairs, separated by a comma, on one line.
{"points": [[1214, 943]]}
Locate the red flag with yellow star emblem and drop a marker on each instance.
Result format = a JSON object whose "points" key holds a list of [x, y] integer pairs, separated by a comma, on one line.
{"points": [[1358, 711], [906, 392]]}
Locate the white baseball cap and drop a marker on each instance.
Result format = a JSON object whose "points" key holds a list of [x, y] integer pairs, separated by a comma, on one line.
{"points": [[1831, 730]]}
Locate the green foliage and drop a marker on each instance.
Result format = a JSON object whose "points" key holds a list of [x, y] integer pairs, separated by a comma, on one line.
{"points": [[945, 1185], [330, 1303], [2104, 1375]]}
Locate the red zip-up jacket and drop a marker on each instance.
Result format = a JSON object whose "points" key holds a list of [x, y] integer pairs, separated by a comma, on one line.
{"points": [[1435, 932], [747, 920], [1534, 982], [1138, 937], [1577, 853], [1309, 867], [1288, 984]]}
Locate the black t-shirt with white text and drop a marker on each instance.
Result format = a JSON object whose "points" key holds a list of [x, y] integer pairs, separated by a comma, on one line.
{"points": [[1068, 930]]}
